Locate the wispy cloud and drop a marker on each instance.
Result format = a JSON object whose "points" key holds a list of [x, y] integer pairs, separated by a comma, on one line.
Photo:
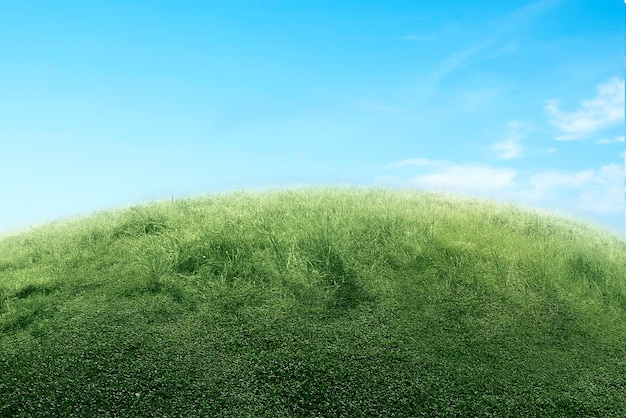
{"points": [[508, 149], [605, 193], [467, 178], [511, 147], [605, 110], [547, 180], [611, 140], [471, 178]]}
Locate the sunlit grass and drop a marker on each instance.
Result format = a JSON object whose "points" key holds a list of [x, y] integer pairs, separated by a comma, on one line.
{"points": [[314, 302]]}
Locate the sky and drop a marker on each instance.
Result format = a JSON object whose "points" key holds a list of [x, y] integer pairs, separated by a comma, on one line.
{"points": [[105, 104]]}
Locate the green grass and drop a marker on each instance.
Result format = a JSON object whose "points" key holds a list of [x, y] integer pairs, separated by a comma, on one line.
{"points": [[314, 302]]}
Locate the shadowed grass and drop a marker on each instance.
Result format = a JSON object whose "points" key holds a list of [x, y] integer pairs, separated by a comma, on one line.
{"points": [[314, 302]]}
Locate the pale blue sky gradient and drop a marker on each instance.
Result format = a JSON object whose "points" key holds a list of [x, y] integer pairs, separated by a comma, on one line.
{"points": [[111, 103]]}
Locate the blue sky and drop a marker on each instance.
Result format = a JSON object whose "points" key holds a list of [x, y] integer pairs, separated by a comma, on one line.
{"points": [[111, 103]]}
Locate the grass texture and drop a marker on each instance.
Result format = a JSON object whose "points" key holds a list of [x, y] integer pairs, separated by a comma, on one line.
{"points": [[310, 303]]}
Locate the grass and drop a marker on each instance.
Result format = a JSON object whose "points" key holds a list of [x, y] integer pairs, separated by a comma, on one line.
{"points": [[314, 302]]}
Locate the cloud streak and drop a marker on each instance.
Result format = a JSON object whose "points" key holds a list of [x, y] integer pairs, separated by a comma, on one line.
{"points": [[497, 30], [611, 140]]}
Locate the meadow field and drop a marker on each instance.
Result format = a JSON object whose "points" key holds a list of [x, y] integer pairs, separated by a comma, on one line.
{"points": [[314, 302]]}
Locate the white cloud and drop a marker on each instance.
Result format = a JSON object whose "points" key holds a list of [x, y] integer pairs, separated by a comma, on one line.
{"points": [[599, 191], [510, 147], [611, 140], [467, 178], [606, 193], [551, 179], [593, 191], [605, 110]]}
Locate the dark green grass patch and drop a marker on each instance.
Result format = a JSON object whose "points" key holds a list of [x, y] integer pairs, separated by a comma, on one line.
{"points": [[314, 303]]}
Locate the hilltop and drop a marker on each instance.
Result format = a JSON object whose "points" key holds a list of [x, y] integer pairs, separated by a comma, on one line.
{"points": [[314, 302]]}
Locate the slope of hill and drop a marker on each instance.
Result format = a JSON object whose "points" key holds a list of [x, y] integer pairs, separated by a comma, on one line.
{"points": [[314, 302]]}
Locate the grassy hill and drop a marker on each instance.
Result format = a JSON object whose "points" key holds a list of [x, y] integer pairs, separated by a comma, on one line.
{"points": [[314, 302]]}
